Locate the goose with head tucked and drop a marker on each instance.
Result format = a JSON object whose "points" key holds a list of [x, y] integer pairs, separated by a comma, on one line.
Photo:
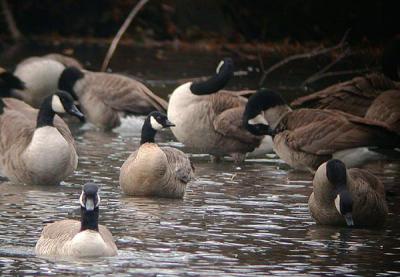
{"points": [[84, 238], [208, 120], [105, 97], [37, 147], [352, 197], [356, 96], [156, 171], [305, 138]]}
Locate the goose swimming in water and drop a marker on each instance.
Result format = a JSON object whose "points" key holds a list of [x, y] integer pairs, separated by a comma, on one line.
{"points": [[156, 171], [347, 196], [84, 238]]}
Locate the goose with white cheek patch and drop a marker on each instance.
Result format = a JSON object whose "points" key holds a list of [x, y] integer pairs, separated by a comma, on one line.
{"points": [[156, 171], [306, 138], [356, 96], [352, 197], [84, 238], [36, 146], [208, 120], [106, 97]]}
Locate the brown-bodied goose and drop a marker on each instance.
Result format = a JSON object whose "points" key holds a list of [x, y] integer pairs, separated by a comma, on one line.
{"points": [[84, 238], [105, 97], [208, 120], [155, 171], [356, 96], [306, 138], [36, 146], [347, 196]]}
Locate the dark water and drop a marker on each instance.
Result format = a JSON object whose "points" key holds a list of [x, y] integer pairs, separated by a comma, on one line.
{"points": [[248, 220]]}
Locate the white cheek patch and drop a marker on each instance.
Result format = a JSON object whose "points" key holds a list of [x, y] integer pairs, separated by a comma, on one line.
{"points": [[89, 204], [154, 124], [81, 200], [98, 200], [56, 104], [337, 203], [259, 119], [221, 63]]}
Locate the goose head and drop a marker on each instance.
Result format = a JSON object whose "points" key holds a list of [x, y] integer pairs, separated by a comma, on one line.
{"points": [[154, 122], [263, 111], [8, 82], [68, 78], [218, 81], [336, 173], [90, 202]]}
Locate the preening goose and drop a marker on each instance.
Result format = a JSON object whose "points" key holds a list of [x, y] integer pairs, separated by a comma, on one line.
{"points": [[355, 96], [104, 97], [84, 238], [352, 197], [306, 138], [37, 147], [208, 120], [155, 171]]}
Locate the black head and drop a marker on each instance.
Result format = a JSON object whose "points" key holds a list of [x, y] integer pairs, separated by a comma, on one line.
{"points": [[62, 102], [158, 121], [217, 82], [262, 100], [9, 81], [68, 78], [336, 173], [391, 59], [89, 198]]}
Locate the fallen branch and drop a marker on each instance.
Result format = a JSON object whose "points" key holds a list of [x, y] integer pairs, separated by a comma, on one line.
{"points": [[316, 75], [121, 31], [316, 52], [9, 18], [341, 72]]}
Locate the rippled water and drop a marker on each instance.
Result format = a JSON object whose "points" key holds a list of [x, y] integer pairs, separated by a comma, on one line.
{"points": [[247, 220]]}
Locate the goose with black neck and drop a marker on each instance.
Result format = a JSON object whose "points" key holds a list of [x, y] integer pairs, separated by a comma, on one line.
{"points": [[208, 120], [84, 238], [306, 138], [155, 171], [37, 147]]}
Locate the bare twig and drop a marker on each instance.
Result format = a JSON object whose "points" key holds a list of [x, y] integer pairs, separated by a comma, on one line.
{"points": [[12, 26], [339, 73], [121, 31], [316, 52], [316, 75]]}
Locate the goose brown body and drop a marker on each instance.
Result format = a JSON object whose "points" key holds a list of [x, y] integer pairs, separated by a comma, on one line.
{"points": [[367, 192]]}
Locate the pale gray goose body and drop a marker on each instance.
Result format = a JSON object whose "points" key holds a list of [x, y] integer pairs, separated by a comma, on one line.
{"points": [[105, 97], [37, 146], [208, 120]]}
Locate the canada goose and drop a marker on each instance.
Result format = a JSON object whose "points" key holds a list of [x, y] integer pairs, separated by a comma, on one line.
{"points": [[40, 76], [355, 96], [352, 197], [9, 82], [386, 108], [153, 170], [306, 138], [73, 238], [37, 147], [208, 120], [104, 97]]}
